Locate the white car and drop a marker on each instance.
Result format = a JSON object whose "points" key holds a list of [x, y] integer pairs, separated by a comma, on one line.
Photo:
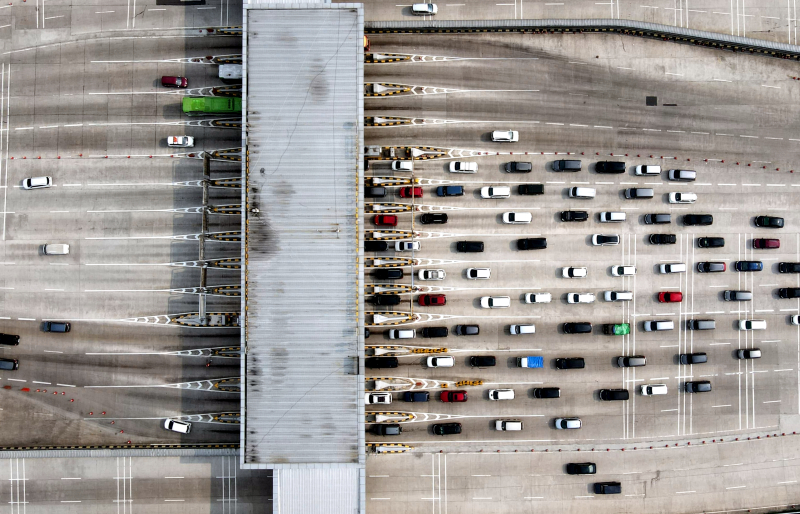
{"points": [[538, 297], [623, 271], [618, 296], [495, 192], [180, 141], [441, 362], [463, 167], [402, 165], [567, 423], [432, 274], [397, 333], [752, 324], [580, 298], [612, 217], [795, 320], [682, 198], [378, 398], [37, 182], [501, 394], [423, 9], [674, 267], [570, 272], [605, 239], [495, 302], [479, 273], [647, 169], [651, 389], [177, 426], [517, 218], [406, 246], [505, 136]]}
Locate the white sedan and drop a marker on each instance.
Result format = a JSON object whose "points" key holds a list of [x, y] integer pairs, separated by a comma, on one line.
{"points": [[406, 246], [570, 272], [623, 271], [517, 218], [564, 423], [432, 274], [538, 297], [180, 141], [495, 302], [378, 398], [682, 198], [479, 273], [441, 362], [463, 167], [580, 298]]}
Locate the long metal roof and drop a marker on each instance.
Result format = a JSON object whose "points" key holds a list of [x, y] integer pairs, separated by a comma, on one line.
{"points": [[303, 91]]}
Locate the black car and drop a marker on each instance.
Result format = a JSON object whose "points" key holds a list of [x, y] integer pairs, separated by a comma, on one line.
{"points": [[581, 468], [607, 488], [450, 191], [381, 429], [482, 361], [789, 292], [433, 218], [710, 242], [446, 428], [546, 392], [56, 326], [579, 327], [574, 215], [769, 222], [469, 246], [434, 332], [532, 243], [386, 299], [609, 167], [609, 395], [657, 219], [698, 219], [749, 265], [699, 386], [387, 273], [711, 267], [530, 189], [416, 396], [376, 246], [467, 330], [570, 363], [9, 339], [381, 362], [789, 267], [663, 239], [693, 358], [9, 364], [518, 167], [374, 192]]}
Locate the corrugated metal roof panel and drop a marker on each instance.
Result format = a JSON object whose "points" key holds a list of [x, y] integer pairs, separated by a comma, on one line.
{"points": [[315, 491]]}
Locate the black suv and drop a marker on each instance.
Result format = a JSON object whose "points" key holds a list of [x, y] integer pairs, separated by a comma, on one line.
{"points": [[9, 339], [482, 361], [574, 215], [433, 217], [434, 332], [789, 267], [546, 392], [381, 429], [578, 327], [769, 222], [663, 239], [581, 468], [386, 299], [570, 363], [446, 428], [416, 396], [530, 189], [789, 292], [609, 395], [387, 273], [691, 220], [657, 219], [710, 242], [693, 358], [376, 246], [518, 167], [381, 362], [609, 167], [532, 243], [469, 246]]}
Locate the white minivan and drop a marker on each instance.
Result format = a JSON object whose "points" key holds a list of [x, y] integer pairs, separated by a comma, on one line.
{"points": [[501, 394], [647, 169], [508, 424], [674, 267], [752, 324], [397, 333], [517, 218], [505, 136], [612, 217], [538, 297], [403, 165], [518, 330], [495, 302], [652, 389], [582, 192], [682, 198], [55, 249], [495, 192], [423, 9]]}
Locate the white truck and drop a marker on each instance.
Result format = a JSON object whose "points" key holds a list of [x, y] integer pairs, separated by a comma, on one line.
{"points": [[230, 72]]}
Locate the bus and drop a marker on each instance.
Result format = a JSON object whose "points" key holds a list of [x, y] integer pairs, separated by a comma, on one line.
{"points": [[207, 105]]}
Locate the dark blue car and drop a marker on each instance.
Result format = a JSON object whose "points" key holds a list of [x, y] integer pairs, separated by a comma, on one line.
{"points": [[749, 265], [450, 191]]}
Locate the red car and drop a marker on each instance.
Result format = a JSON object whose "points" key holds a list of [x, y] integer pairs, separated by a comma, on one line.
{"points": [[670, 296], [428, 300], [408, 192], [453, 396], [386, 220], [766, 243], [168, 81]]}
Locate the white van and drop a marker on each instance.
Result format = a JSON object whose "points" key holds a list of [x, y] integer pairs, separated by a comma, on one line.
{"points": [[422, 9], [582, 192], [612, 217], [651, 389], [618, 296], [495, 192], [538, 297], [403, 165], [55, 249], [397, 333], [463, 167], [658, 325], [675, 267], [646, 169], [682, 198], [505, 136], [752, 324], [501, 394], [517, 218], [495, 302], [518, 330], [510, 424]]}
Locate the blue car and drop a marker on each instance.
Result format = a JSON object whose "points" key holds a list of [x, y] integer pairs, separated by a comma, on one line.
{"points": [[749, 265], [450, 191]]}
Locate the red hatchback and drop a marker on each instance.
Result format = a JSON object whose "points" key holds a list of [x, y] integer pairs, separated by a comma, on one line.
{"points": [[385, 220], [408, 192], [428, 300], [766, 243], [168, 81], [670, 296], [453, 396]]}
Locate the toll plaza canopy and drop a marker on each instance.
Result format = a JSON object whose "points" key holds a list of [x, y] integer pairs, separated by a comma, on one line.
{"points": [[303, 395]]}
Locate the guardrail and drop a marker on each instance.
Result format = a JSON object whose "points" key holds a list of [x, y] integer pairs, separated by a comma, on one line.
{"points": [[600, 26]]}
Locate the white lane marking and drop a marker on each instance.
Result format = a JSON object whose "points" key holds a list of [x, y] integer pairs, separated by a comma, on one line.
{"points": [[717, 406], [736, 487], [773, 401], [773, 87], [685, 492]]}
